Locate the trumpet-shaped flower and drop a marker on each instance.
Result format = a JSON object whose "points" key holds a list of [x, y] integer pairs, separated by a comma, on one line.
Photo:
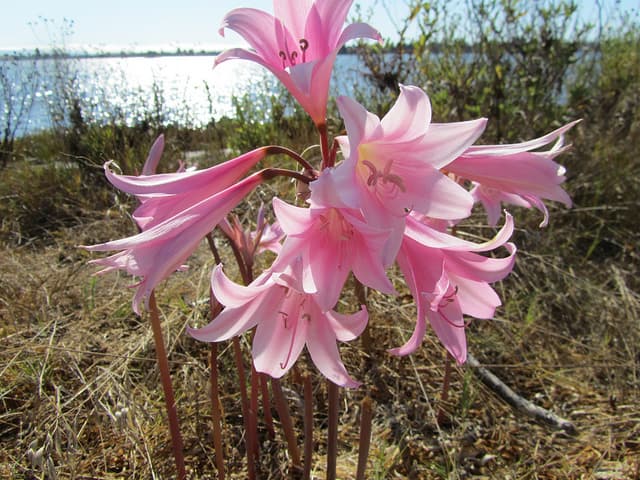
{"points": [[448, 279], [515, 174], [298, 45], [331, 243], [287, 319], [161, 249], [391, 166], [164, 195]]}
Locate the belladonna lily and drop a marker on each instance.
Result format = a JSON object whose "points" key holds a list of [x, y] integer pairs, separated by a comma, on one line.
{"points": [[299, 44], [447, 279], [161, 249], [164, 195], [515, 174], [392, 166], [331, 243], [287, 319], [266, 236]]}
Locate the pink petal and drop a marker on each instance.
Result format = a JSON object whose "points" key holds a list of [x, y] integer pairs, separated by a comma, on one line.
{"points": [[446, 141], [510, 149], [280, 338], [449, 327], [358, 30], [360, 124], [432, 238], [348, 327], [418, 280], [215, 178], [232, 295], [293, 15], [257, 28], [325, 355], [163, 248], [476, 298], [293, 220], [332, 15], [155, 153], [409, 117], [479, 268]]}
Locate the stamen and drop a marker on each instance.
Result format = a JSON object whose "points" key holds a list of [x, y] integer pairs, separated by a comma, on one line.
{"points": [[455, 325], [304, 45], [283, 56], [292, 58], [373, 177], [283, 366], [386, 176]]}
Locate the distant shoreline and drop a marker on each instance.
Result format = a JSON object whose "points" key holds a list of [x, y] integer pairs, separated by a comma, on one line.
{"points": [[36, 55]]}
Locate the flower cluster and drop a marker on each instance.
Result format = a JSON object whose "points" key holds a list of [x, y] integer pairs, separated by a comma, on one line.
{"points": [[401, 188]]}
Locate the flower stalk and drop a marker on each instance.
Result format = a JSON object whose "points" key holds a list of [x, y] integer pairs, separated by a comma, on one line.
{"points": [[169, 398], [332, 430]]}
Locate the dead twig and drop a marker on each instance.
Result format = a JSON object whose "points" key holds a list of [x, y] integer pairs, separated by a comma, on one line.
{"points": [[516, 401]]}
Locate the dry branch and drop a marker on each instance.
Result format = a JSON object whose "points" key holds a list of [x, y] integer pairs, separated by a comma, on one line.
{"points": [[516, 401]]}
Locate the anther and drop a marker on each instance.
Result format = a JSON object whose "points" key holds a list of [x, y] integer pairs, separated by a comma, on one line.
{"points": [[304, 45]]}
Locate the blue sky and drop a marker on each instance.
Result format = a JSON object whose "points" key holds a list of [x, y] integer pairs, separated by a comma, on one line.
{"points": [[142, 23]]}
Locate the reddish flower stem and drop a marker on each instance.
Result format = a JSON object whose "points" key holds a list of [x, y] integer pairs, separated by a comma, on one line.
{"points": [[214, 250], [266, 406], [244, 400], [308, 427], [169, 399], [446, 381], [216, 412], [275, 149], [285, 420], [332, 433], [252, 433], [269, 173], [365, 438], [324, 146]]}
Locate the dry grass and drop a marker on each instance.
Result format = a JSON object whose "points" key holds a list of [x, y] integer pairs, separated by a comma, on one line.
{"points": [[80, 394]]}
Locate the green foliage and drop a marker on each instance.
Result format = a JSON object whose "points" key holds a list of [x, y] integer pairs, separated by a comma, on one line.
{"points": [[509, 60], [268, 117]]}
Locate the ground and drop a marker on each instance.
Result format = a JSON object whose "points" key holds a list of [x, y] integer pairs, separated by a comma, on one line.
{"points": [[80, 395]]}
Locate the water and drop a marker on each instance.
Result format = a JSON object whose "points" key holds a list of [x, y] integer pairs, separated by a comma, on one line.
{"points": [[183, 90]]}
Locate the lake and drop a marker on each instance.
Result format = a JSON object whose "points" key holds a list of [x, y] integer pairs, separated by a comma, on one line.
{"points": [[184, 90]]}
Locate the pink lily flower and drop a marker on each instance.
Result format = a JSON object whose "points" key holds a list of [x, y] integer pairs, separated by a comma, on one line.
{"points": [[287, 319], [392, 166], [164, 195], [161, 249], [248, 244], [331, 243], [515, 174], [448, 279], [298, 44]]}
